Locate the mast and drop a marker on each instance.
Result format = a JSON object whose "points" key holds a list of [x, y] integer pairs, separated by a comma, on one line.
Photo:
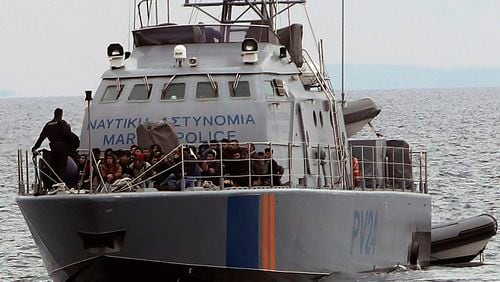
{"points": [[226, 11], [264, 11]]}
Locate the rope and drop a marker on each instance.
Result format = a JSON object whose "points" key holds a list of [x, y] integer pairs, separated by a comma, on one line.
{"points": [[194, 11], [48, 176], [312, 29], [98, 170], [153, 166], [129, 24], [289, 24], [58, 178]]}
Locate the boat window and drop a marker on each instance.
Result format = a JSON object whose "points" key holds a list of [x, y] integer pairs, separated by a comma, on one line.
{"points": [[279, 87], [276, 87], [140, 92], [174, 91], [242, 89], [112, 93], [268, 88], [205, 90], [201, 33]]}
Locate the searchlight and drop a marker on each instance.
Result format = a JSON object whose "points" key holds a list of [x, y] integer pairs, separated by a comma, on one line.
{"points": [[249, 51], [116, 56]]}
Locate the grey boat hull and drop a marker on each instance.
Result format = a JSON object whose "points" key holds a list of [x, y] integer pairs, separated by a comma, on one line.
{"points": [[278, 234]]}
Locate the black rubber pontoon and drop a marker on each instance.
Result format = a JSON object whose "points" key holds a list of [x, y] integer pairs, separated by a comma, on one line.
{"points": [[359, 113], [463, 240]]}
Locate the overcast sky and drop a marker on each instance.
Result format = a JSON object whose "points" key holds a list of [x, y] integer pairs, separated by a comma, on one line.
{"points": [[56, 47]]}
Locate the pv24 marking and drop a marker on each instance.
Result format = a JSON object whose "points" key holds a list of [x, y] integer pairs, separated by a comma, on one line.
{"points": [[364, 230]]}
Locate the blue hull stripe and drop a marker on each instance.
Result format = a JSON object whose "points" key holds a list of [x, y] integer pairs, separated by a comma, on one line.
{"points": [[242, 245]]}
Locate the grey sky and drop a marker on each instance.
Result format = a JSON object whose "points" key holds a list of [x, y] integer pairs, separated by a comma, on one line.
{"points": [[56, 47]]}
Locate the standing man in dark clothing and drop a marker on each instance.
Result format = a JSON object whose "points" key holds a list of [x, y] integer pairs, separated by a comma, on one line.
{"points": [[58, 132]]}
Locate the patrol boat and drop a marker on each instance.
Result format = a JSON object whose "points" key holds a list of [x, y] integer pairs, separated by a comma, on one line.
{"points": [[243, 78]]}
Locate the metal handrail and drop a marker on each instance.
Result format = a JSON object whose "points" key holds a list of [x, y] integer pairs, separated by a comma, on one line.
{"points": [[323, 175]]}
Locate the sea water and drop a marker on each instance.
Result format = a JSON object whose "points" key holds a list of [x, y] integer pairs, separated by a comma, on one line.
{"points": [[458, 127]]}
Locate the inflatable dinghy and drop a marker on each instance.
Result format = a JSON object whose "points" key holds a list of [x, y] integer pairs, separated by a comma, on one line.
{"points": [[461, 241], [359, 113]]}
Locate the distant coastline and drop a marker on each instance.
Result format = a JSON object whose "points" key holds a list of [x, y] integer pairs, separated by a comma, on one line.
{"points": [[361, 77], [4, 93]]}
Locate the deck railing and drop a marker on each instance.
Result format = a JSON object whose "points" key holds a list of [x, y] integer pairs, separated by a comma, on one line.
{"points": [[307, 166], [390, 168]]}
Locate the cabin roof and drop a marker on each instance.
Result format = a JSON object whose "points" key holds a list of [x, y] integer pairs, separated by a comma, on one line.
{"points": [[224, 58]]}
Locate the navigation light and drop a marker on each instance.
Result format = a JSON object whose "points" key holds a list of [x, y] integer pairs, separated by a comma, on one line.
{"points": [[180, 54]]}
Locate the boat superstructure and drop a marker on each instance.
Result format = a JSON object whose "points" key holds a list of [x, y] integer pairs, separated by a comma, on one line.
{"points": [[243, 78]]}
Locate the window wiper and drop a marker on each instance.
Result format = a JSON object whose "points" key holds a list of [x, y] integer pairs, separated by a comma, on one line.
{"points": [[236, 82], [146, 83], [118, 85], [164, 90], [212, 82]]}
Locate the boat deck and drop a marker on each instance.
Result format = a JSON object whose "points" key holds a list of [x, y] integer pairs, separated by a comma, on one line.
{"points": [[386, 166]]}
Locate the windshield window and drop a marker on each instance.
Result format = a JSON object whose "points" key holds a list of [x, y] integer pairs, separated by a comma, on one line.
{"points": [[186, 34], [205, 90], [174, 91], [268, 88], [111, 93], [243, 89], [140, 92]]}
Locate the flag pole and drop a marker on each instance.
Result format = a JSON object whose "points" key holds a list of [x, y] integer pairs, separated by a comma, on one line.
{"points": [[88, 98]]}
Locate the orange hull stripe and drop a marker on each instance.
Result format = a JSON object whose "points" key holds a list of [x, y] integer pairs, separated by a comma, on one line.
{"points": [[265, 231], [272, 232]]}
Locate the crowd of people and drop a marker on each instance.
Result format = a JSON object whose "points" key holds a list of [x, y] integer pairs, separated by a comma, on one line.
{"points": [[224, 163]]}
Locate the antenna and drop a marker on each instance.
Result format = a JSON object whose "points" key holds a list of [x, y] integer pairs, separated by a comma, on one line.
{"points": [[265, 11], [168, 11], [342, 91], [88, 98]]}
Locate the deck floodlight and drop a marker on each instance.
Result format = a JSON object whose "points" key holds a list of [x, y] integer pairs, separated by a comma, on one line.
{"points": [[180, 54], [249, 50], [116, 56], [193, 62]]}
